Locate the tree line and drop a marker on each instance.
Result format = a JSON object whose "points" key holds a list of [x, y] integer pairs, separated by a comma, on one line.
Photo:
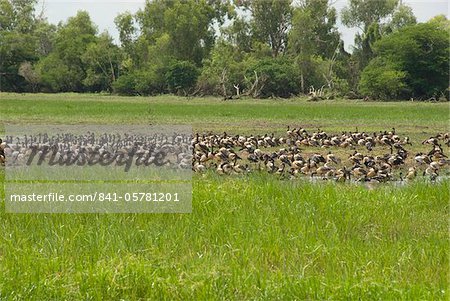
{"points": [[229, 48]]}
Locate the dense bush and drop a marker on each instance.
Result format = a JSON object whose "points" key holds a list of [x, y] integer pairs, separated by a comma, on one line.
{"points": [[141, 82], [279, 76], [55, 75], [415, 57], [150, 81], [225, 69], [125, 85], [181, 76], [383, 80]]}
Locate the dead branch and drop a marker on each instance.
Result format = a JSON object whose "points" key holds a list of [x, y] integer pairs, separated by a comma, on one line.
{"points": [[238, 95], [195, 92], [315, 95], [257, 86]]}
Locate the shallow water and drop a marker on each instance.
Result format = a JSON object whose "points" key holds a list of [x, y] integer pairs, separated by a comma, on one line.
{"points": [[374, 185]]}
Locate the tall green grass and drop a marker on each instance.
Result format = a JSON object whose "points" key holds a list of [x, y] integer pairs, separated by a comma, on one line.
{"points": [[251, 237]]}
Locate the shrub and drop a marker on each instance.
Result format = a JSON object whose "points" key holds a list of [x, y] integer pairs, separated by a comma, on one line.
{"points": [[125, 85], [279, 76], [225, 69], [420, 53], [181, 76], [55, 75], [150, 81], [383, 80]]}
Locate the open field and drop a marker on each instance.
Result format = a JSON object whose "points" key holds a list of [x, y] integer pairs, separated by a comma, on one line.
{"points": [[240, 117], [249, 237]]}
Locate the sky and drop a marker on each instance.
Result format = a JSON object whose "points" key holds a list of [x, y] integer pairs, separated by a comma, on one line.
{"points": [[103, 12]]}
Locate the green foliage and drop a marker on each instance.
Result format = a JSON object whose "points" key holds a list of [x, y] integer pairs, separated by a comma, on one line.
{"points": [[15, 48], [181, 76], [45, 34], [72, 41], [364, 51], [55, 74], [127, 30], [371, 17], [224, 69], [421, 51], [277, 75], [383, 80], [239, 34], [363, 13], [27, 71], [402, 17], [17, 43], [270, 23], [171, 46], [314, 29], [125, 85], [102, 60], [441, 22], [17, 15], [188, 24], [78, 59], [314, 35], [151, 81]]}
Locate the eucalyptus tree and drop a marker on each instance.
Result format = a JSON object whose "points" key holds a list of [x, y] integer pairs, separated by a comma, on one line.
{"points": [[270, 22], [314, 35]]}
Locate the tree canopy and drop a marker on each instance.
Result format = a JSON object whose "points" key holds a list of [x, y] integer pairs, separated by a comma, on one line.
{"points": [[229, 48], [416, 57]]}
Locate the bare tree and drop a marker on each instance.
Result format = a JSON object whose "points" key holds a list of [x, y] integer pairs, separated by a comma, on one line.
{"points": [[257, 86], [223, 83], [328, 76]]}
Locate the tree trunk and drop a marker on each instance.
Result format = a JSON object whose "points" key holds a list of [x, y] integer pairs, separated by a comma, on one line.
{"points": [[223, 83], [238, 95], [302, 81]]}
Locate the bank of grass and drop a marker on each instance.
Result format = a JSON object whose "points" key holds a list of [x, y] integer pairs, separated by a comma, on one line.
{"points": [[254, 237]]}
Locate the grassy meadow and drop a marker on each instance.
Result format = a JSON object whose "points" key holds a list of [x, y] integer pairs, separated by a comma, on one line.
{"points": [[249, 237]]}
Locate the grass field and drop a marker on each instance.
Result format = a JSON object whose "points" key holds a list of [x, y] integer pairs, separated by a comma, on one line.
{"points": [[249, 237], [243, 116]]}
